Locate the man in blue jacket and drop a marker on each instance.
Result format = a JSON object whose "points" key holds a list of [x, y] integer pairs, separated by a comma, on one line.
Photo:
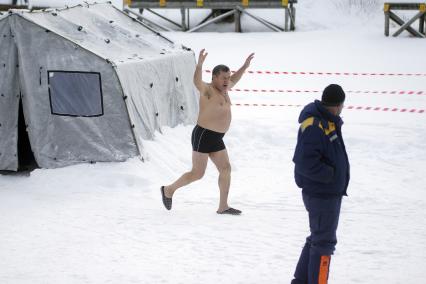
{"points": [[322, 171]]}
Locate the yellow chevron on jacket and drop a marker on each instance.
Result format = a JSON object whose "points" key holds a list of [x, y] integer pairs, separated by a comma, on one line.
{"points": [[306, 123], [310, 121], [331, 128]]}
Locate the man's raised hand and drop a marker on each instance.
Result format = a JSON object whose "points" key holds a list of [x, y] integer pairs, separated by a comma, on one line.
{"points": [[202, 56], [248, 60]]}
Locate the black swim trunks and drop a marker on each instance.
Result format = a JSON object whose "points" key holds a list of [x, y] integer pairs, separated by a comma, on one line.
{"points": [[206, 141]]}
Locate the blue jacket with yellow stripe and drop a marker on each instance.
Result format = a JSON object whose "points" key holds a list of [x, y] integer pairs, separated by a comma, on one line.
{"points": [[321, 161]]}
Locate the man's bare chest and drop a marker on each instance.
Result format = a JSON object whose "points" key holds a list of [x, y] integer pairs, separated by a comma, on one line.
{"points": [[217, 99]]}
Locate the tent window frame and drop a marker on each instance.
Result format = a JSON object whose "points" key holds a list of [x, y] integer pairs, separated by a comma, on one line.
{"points": [[76, 72]]}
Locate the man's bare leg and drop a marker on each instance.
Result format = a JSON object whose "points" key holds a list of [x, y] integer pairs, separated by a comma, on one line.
{"points": [[221, 161], [199, 164]]}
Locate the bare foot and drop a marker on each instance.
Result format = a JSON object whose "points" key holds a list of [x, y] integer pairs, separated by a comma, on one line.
{"points": [[167, 192]]}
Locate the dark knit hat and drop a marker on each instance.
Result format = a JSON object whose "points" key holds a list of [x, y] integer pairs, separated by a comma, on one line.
{"points": [[333, 95]]}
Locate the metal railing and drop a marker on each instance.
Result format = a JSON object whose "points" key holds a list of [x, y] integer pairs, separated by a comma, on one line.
{"points": [[232, 8], [390, 14]]}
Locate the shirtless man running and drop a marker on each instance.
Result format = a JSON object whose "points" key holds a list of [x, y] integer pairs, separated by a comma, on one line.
{"points": [[213, 122]]}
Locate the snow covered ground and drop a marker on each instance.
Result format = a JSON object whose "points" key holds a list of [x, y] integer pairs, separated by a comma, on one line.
{"points": [[105, 223]]}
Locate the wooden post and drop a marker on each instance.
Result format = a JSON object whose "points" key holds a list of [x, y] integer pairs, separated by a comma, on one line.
{"points": [[237, 19], [183, 17], [187, 17], [387, 20], [387, 24], [422, 24], [422, 19], [292, 18], [286, 19]]}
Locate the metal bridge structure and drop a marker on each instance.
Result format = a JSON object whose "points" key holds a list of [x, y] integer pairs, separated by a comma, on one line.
{"points": [[391, 14], [220, 10]]}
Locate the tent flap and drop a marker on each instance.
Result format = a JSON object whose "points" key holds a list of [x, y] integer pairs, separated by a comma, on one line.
{"points": [[9, 99], [160, 93]]}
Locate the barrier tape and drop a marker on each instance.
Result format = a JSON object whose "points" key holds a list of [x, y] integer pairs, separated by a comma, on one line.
{"points": [[386, 109], [328, 73], [419, 93]]}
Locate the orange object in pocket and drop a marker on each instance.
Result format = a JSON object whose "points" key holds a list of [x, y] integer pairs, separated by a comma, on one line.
{"points": [[324, 267]]}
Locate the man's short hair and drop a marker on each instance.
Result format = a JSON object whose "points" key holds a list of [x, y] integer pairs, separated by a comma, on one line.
{"points": [[220, 68], [333, 95]]}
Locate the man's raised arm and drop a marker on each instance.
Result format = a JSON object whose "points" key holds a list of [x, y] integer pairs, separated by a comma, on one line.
{"points": [[237, 75], [198, 74]]}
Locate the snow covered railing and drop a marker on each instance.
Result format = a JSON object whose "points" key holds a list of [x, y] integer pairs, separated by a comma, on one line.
{"points": [[421, 16], [221, 9]]}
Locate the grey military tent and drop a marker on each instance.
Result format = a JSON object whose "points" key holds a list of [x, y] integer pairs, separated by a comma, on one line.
{"points": [[87, 83]]}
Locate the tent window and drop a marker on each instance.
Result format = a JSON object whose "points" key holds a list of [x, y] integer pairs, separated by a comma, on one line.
{"points": [[75, 93]]}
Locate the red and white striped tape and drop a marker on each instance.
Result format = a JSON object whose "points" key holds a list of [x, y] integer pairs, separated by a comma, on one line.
{"points": [[317, 91], [386, 109], [266, 72]]}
